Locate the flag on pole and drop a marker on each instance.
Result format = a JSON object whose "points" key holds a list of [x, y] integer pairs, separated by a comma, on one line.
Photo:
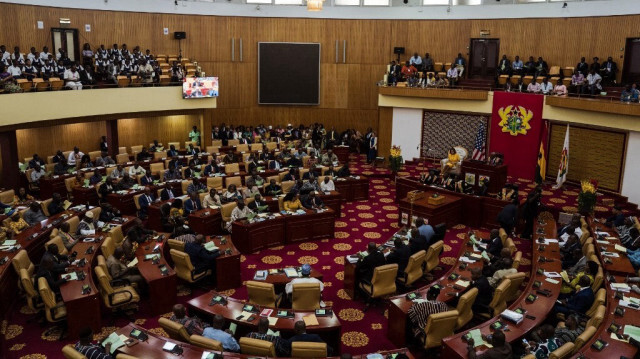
{"points": [[541, 166], [479, 153], [564, 162]]}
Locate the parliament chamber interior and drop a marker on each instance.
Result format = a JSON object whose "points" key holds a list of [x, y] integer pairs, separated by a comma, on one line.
{"points": [[311, 179]]}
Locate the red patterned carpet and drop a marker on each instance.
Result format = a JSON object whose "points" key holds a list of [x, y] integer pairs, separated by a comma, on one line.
{"points": [[361, 222]]}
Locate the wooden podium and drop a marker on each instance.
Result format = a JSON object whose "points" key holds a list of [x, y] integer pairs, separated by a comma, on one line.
{"points": [[497, 174]]}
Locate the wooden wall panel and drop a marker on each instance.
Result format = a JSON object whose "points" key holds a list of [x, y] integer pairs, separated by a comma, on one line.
{"points": [[142, 131], [45, 141], [593, 153], [385, 127]]}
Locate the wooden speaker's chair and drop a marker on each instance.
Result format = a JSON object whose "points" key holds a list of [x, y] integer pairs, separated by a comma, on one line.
{"points": [[118, 299], [250, 346], [465, 313], [438, 327], [263, 294], [383, 282], [54, 311], [184, 268], [305, 296], [308, 350], [69, 352], [462, 152], [413, 271], [562, 352]]}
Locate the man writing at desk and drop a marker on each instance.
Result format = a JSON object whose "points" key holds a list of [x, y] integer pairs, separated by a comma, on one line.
{"points": [[201, 258]]}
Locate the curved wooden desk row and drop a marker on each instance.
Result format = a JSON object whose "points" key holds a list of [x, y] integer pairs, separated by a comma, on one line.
{"points": [[616, 266], [152, 348], [473, 211], [399, 305], [283, 229], [455, 347]]}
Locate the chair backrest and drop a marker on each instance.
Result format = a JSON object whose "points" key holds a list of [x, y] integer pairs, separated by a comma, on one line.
{"points": [[413, 271], [157, 168], [252, 346], [600, 298], [439, 326], [175, 330], [116, 234], [226, 210], [48, 298], [44, 205], [122, 158], [516, 281], [6, 197], [590, 249], [308, 350], [107, 247], [305, 296], [176, 244], [233, 142], [136, 201], [503, 235], [287, 185], [598, 279], [516, 260], [509, 244], [214, 182], [73, 224], [261, 293], [464, 307], [57, 240], [206, 343], [598, 317], [236, 180], [432, 258], [182, 263], [242, 147], [499, 301], [21, 260], [384, 280], [27, 285], [103, 281], [70, 352], [562, 352], [231, 168], [588, 333], [102, 263]]}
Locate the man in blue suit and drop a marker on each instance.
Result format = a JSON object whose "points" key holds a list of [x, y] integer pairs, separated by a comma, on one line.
{"points": [[144, 201], [193, 203], [147, 180], [580, 302], [201, 258]]}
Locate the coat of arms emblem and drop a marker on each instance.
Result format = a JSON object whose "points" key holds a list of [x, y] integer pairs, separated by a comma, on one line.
{"points": [[515, 120]]}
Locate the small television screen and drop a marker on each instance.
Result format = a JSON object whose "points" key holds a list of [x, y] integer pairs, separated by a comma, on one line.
{"points": [[200, 87]]}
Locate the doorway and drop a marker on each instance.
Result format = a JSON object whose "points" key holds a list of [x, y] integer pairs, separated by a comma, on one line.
{"points": [[631, 69], [66, 39], [483, 58]]}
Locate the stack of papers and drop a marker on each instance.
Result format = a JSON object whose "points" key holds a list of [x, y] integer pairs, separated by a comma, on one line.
{"points": [[168, 346], [310, 320], [70, 276], [621, 287], [467, 260], [552, 275], [477, 338], [207, 355], [512, 316], [260, 275], [133, 263], [606, 234], [611, 254], [463, 283], [210, 246], [620, 248], [291, 272], [632, 331], [352, 259]]}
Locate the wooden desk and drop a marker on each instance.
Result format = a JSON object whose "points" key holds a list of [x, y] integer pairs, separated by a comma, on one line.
{"points": [[353, 189], [449, 212], [615, 349], [399, 323], [332, 200], [455, 347], [255, 236], [228, 271], [162, 288], [309, 226], [53, 184], [280, 280], [618, 266], [84, 195], [497, 174], [206, 221], [124, 202], [329, 328], [342, 152]]}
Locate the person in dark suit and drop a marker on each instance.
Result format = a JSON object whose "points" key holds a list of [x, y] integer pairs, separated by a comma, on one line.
{"points": [[257, 203], [616, 219], [399, 255], [275, 164], [366, 265], [485, 292], [580, 302], [144, 201], [508, 216], [273, 189], [106, 188], [193, 203], [292, 175], [211, 168], [302, 336], [312, 201], [530, 211], [57, 204], [201, 258], [583, 67], [59, 262], [417, 242], [495, 243], [167, 193], [172, 151], [46, 270], [147, 180]]}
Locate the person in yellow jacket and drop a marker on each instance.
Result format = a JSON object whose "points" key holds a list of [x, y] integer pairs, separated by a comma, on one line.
{"points": [[453, 159], [291, 202]]}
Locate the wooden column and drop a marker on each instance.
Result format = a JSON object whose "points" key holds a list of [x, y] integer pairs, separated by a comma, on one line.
{"points": [[112, 137], [9, 151], [205, 129], [385, 126]]}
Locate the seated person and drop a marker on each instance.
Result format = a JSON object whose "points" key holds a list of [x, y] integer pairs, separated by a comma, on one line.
{"points": [[579, 302], [508, 193], [87, 225], [17, 224], [216, 332], [148, 179], [366, 265], [570, 287], [258, 205], [156, 147], [89, 349], [117, 172], [305, 271], [61, 167], [193, 325], [534, 87], [331, 171], [118, 269], [145, 201], [34, 214], [616, 219], [329, 158], [505, 270], [273, 189], [57, 204], [96, 177], [230, 157], [212, 199], [485, 292], [37, 173], [327, 184], [500, 349], [106, 188], [283, 347], [192, 171], [172, 151], [560, 89], [232, 194], [136, 170], [167, 192], [302, 335], [68, 239], [450, 182], [399, 255], [494, 246], [496, 159], [59, 262], [172, 173], [417, 241], [211, 168], [453, 158], [36, 160], [567, 333], [275, 164], [196, 186], [419, 312], [240, 212], [431, 178], [291, 202], [144, 155], [192, 204], [126, 182], [22, 196], [547, 342], [495, 263], [202, 259], [463, 187], [292, 175]]}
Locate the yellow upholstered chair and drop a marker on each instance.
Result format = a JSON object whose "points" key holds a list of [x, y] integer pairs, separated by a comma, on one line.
{"points": [[517, 259], [306, 296], [598, 279], [600, 298], [589, 250], [157, 168], [233, 142], [116, 234], [55, 312], [588, 333], [120, 298], [175, 330], [236, 180], [263, 294], [567, 71], [512, 292], [33, 298], [503, 235], [215, 183], [509, 244], [44, 205], [598, 317], [439, 326], [73, 224], [308, 350], [225, 211], [125, 356], [122, 158], [250, 346], [205, 343], [465, 314], [413, 271], [108, 247], [383, 282], [69, 352], [21, 261], [6, 197], [176, 244], [57, 240], [242, 148], [562, 352], [498, 303], [432, 259], [287, 186], [231, 168], [184, 268]]}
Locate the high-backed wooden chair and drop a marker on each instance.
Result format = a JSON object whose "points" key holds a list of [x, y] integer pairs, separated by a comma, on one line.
{"points": [[413, 271], [250, 346], [438, 327], [465, 313], [263, 294], [308, 350], [306, 296]]}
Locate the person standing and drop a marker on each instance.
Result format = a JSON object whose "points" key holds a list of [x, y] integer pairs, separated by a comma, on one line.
{"points": [[373, 148], [194, 135]]}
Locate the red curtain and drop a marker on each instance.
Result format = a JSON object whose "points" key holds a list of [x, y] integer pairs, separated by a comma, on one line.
{"points": [[516, 126]]}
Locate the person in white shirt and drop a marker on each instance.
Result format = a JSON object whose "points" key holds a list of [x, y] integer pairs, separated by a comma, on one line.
{"points": [[593, 83], [546, 87], [17, 55], [452, 75], [240, 212], [534, 87], [37, 173], [74, 156], [327, 185], [33, 55], [416, 61], [136, 170], [305, 272], [4, 54], [44, 55], [15, 69], [72, 78]]}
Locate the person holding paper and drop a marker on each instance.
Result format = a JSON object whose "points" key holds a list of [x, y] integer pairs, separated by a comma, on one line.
{"points": [[216, 332], [89, 349], [118, 269], [201, 258], [569, 287], [496, 262], [494, 247], [419, 312], [258, 205], [500, 349], [57, 204], [283, 346]]}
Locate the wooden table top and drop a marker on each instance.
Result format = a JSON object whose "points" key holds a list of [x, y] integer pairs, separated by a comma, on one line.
{"points": [[618, 266], [423, 202]]}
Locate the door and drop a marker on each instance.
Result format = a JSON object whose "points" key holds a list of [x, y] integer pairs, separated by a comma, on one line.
{"points": [[66, 39], [483, 58], [631, 69]]}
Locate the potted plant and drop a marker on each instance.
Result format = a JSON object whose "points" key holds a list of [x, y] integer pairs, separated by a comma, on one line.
{"points": [[587, 196], [395, 160]]}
